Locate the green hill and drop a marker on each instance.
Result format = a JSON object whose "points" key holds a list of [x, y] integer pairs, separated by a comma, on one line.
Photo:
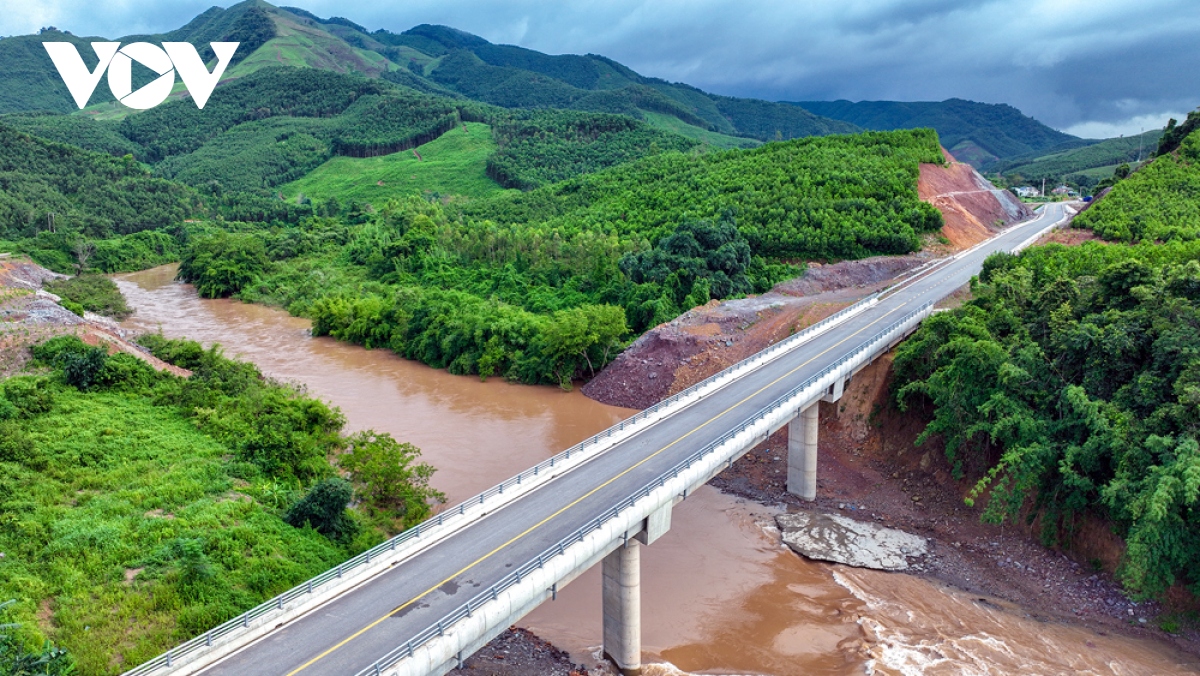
{"points": [[977, 133], [1081, 165]]}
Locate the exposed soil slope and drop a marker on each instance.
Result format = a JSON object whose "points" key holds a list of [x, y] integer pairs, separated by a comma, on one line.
{"points": [[705, 340], [29, 315], [972, 207]]}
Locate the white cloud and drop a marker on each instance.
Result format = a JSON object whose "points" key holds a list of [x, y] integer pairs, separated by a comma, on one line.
{"points": [[1129, 127]]}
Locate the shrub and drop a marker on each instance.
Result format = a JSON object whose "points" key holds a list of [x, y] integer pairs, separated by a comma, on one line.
{"points": [[94, 293], [125, 370], [82, 369], [323, 508], [72, 306], [15, 444], [222, 264], [28, 395]]}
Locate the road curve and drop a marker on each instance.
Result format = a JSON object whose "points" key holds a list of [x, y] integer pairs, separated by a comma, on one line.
{"points": [[354, 630]]}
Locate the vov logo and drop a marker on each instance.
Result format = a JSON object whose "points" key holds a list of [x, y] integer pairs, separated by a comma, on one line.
{"points": [[172, 57]]}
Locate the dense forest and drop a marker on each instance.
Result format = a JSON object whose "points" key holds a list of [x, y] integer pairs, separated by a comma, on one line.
{"points": [[132, 497], [47, 187], [831, 197], [1069, 383], [278, 124], [540, 148]]}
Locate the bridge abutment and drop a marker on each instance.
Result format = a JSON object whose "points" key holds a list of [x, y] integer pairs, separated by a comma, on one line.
{"points": [[622, 598]]}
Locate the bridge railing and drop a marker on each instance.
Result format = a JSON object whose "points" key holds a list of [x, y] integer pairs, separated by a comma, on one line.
{"points": [[464, 512], [491, 593]]}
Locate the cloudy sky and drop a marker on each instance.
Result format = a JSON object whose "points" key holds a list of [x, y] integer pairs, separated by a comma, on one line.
{"points": [[1095, 68]]}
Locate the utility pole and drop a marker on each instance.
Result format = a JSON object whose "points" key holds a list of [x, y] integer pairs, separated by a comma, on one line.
{"points": [[1141, 140], [1043, 186]]}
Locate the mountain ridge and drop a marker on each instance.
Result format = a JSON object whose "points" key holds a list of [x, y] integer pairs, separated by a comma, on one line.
{"points": [[978, 133]]}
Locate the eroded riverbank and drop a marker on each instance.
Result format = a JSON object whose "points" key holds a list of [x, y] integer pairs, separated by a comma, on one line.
{"points": [[720, 594]]}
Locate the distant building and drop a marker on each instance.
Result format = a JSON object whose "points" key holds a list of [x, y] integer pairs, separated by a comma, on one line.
{"points": [[1027, 191], [1062, 190]]}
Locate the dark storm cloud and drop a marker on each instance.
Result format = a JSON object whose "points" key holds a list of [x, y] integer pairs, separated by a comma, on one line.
{"points": [[1097, 68]]}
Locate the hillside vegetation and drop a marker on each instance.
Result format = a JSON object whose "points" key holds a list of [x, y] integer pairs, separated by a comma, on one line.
{"points": [[1069, 384], [546, 286], [1160, 201], [1076, 163], [455, 164], [138, 508], [46, 187]]}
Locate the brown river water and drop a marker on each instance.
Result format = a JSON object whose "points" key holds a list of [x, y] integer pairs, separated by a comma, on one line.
{"points": [[719, 594]]}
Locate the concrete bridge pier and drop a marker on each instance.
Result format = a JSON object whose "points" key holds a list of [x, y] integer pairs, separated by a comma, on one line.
{"points": [[623, 608], [802, 453]]}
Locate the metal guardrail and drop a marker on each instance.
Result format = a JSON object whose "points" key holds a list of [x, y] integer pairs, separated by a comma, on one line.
{"points": [[307, 589], [488, 595]]}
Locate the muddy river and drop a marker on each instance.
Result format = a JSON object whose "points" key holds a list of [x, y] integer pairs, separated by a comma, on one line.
{"points": [[720, 596]]}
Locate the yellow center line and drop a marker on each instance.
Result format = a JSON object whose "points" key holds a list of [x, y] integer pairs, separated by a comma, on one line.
{"points": [[581, 498]]}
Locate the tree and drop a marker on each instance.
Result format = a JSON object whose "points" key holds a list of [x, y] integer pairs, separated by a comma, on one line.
{"points": [[575, 336], [387, 478]]}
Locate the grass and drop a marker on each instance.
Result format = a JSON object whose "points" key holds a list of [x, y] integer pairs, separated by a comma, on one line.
{"points": [[96, 532], [299, 45], [453, 165], [717, 140]]}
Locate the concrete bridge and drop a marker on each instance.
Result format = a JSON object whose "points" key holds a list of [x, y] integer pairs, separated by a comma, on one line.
{"points": [[422, 602]]}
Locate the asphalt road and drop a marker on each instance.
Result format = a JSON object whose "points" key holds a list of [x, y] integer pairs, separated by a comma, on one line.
{"points": [[352, 632]]}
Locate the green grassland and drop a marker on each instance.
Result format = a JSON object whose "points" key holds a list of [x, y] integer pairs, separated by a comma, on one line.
{"points": [[717, 140], [89, 539], [454, 164], [139, 508]]}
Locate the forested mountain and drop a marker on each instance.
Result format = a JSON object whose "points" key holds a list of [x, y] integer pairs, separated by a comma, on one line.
{"points": [[433, 59], [48, 186], [29, 81], [977, 133]]}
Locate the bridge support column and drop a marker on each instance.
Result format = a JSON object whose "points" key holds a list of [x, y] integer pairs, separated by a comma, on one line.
{"points": [[623, 608], [802, 453]]}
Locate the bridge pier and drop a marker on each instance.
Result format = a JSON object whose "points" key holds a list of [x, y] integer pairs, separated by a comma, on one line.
{"points": [[623, 608], [802, 452]]}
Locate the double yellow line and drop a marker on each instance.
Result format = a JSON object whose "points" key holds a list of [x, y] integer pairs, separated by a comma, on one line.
{"points": [[581, 498]]}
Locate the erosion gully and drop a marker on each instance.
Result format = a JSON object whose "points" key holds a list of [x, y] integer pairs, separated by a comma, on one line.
{"points": [[720, 595]]}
